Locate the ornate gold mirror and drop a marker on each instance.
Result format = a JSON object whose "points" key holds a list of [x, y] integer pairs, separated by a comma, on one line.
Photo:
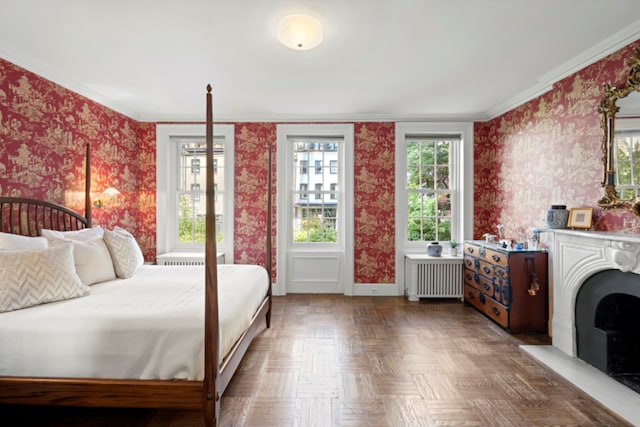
{"points": [[620, 121]]}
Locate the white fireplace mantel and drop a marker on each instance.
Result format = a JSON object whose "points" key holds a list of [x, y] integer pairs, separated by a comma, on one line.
{"points": [[577, 255]]}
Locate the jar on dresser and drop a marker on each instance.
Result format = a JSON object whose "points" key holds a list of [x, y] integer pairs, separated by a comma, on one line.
{"points": [[508, 286]]}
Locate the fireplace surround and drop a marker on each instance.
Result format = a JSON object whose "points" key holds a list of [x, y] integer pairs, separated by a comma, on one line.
{"points": [[574, 258]]}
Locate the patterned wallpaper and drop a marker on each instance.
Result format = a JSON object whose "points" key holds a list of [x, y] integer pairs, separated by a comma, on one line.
{"points": [[44, 129], [548, 151], [544, 152]]}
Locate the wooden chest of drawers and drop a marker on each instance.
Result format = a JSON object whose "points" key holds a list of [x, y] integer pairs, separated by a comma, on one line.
{"points": [[508, 286]]}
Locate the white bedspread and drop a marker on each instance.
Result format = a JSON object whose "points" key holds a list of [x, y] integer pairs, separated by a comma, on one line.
{"points": [[150, 326]]}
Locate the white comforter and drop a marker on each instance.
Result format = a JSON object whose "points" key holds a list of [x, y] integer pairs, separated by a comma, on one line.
{"points": [[150, 326]]}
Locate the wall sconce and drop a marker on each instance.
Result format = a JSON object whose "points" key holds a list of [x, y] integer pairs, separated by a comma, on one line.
{"points": [[108, 195], [299, 32]]}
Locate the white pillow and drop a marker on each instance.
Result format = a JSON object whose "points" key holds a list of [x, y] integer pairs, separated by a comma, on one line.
{"points": [[125, 252], [91, 258], [17, 242], [81, 235], [30, 278]]}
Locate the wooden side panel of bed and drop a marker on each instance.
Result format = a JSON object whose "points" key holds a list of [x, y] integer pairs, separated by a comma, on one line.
{"points": [[29, 217]]}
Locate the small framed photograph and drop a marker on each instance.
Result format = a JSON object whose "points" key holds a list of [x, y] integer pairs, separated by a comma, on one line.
{"points": [[580, 218]]}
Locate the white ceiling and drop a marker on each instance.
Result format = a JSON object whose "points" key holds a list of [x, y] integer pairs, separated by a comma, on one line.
{"points": [[380, 60]]}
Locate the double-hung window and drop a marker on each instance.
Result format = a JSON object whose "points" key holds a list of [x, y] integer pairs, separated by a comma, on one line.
{"points": [[429, 183], [181, 188]]}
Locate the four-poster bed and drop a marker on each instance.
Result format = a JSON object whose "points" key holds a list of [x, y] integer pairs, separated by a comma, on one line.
{"points": [[200, 390]]}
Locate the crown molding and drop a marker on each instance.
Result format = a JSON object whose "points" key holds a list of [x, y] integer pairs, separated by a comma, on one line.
{"points": [[63, 80], [545, 83]]}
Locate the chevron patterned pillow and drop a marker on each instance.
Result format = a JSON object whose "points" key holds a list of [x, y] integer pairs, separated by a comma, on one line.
{"points": [[30, 278], [125, 253]]}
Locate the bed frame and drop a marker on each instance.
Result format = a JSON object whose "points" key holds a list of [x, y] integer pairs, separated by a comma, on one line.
{"points": [[28, 217]]}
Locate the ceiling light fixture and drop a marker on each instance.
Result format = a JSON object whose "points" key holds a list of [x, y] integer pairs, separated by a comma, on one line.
{"points": [[299, 32]]}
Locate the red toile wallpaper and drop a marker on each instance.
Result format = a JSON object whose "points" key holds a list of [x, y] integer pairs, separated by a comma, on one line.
{"points": [[252, 144], [548, 151], [44, 129], [374, 203]]}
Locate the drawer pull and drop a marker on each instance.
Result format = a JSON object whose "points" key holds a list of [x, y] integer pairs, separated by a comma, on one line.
{"points": [[470, 250], [486, 286], [476, 278], [495, 257], [495, 311], [481, 296], [468, 262], [471, 295], [486, 270]]}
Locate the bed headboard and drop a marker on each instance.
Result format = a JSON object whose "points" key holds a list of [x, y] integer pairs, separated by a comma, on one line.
{"points": [[28, 217]]}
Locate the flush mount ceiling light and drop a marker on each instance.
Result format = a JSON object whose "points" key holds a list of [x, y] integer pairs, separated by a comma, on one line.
{"points": [[299, 32]]}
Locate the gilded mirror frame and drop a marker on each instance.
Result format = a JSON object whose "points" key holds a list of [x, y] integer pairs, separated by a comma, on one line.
{"points": [[608, 110]]}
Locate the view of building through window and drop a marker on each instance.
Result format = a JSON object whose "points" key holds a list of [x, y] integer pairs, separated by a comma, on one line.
{"points": [[192, 164], [316, 190]]}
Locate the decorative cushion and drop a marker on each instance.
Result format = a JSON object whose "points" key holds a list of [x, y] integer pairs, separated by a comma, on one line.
{"points": [[81, 235], [30, 278], [125, 252], [91, 258], [17, 242]]}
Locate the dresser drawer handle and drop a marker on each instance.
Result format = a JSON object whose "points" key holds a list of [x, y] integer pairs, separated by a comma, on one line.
{"points": [[496, 258], [476, 278], [481, 296], [486, 286], [470, 250], [495, 311], [471, 295], [487, 270], [476, 263], [468, 262]]}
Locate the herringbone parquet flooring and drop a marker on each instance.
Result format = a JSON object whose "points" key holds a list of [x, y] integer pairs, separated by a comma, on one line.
{"points": [[332, 360]]}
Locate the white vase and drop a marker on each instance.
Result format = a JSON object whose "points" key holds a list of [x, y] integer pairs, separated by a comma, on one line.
{"points": [[453, 251]]}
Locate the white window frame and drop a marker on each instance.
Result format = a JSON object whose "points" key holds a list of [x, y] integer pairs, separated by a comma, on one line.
{"points": [[167, 182], [462, 194]]}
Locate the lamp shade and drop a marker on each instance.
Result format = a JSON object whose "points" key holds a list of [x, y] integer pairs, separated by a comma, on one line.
{"points": [[299, 32]]}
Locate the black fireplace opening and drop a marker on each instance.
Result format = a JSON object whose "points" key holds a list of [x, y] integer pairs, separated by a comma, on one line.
{"points": [[608, 325]]}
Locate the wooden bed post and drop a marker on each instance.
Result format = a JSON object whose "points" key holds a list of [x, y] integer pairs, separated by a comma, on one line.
{"points": [[211, 396], [87, 186]]}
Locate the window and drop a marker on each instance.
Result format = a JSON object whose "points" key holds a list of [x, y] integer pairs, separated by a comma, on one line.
{"points": [[304, 165], [428, 187], [333, 166], [181, 188], [430, 170], [191, 194], [627, 157], [315, 216]]}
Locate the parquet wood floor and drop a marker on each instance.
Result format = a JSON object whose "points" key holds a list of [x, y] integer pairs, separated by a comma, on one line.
{"points": [[332, 360]]}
